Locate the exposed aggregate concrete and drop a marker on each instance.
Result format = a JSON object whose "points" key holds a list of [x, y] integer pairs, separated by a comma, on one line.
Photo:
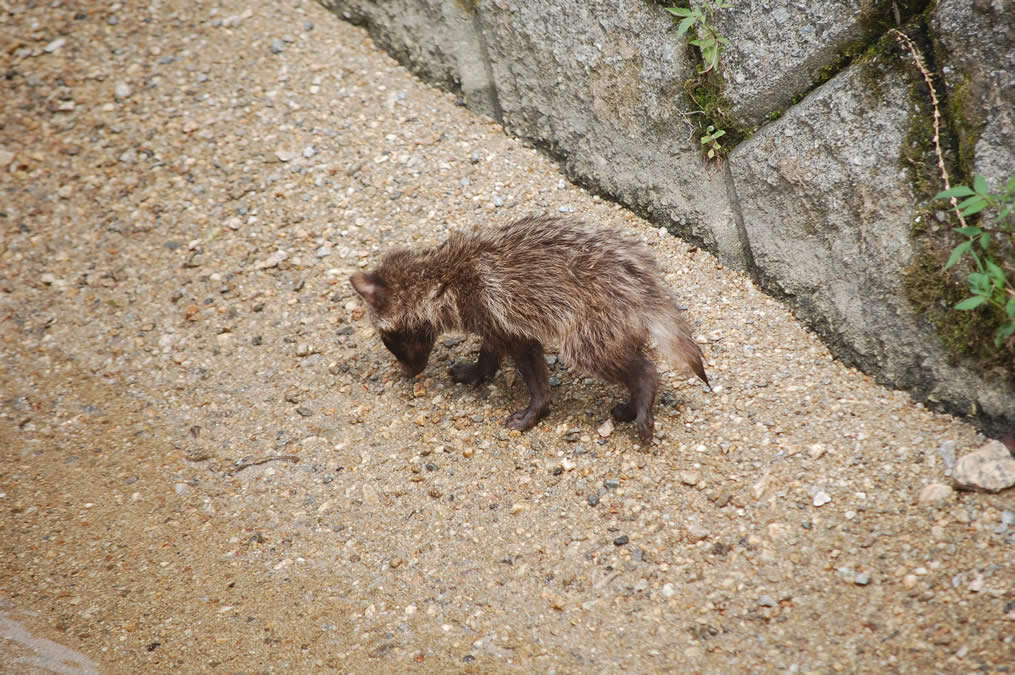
{"points": [[211, 463]]}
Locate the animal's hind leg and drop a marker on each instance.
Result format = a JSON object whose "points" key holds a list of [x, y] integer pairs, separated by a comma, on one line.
{"points": [[528, 358], [483, 369], [638, 374]]}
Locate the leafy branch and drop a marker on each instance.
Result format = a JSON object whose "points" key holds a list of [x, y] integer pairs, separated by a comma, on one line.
{"points": [[990, 283]]}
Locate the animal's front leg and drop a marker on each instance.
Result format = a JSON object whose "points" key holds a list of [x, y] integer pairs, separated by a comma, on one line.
{"points": [[483, 369]]}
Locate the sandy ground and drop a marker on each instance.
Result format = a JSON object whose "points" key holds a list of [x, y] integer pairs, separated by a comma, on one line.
{"points": [[209, 461]]}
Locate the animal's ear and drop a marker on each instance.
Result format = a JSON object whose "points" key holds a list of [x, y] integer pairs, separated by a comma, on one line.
{"points": [[371, 287]]}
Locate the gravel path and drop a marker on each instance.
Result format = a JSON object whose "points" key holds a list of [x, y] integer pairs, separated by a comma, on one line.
{"points": [[210, 462]]}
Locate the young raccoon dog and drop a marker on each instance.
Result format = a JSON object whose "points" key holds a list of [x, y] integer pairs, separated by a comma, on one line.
{"points": [[539, 280]]}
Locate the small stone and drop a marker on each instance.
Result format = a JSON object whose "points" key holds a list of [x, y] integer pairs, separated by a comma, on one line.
{"points": [[6, 157], [935, 493], [518, 508], [862, 579], [272, 261], [611, 483], [605, 429], [55, 45], [121, 91], [182, 489], [277, 46], [304, 411], [816, 451], [468, 452], [990, 468], [909, 582], [621, 540], [593, 499], [767, 601], [821, 498], [284, 155], [696, 532], [689, 477], [669, 591], [947, 453]]}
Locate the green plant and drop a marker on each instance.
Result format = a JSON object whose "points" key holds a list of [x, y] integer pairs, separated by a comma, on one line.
{"points": [[701, 18], [990, 282], [710, 141]]}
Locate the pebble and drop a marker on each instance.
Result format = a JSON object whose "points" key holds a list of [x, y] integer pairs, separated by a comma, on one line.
{"points": [[55, 45], [947, 452], [611, 483], [990, 468], [696, 532], [767, 601], [121, 91], [605, 429], [821, 498], [593, 499], [272, 261], [862, 579], [621, 540], [277, 46], [690, 477], [935, 493]]}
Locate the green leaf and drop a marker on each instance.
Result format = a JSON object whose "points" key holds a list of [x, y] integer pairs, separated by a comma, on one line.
{"points": [[1009, 309], [719, 134], [1004, 213], [969, 230], [957, 191], [680, 11], [973, 205], [985, 240], [980, 184], [979, 283], [971, 303], [957, 252], [996, 273], [684, 25]]}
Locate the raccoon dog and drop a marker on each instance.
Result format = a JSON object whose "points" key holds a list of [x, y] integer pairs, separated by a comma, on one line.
{"points": [[596, 294]]}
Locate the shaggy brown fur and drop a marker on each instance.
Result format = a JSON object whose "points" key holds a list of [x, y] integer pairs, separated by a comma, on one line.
{"points": [[539, 280]]}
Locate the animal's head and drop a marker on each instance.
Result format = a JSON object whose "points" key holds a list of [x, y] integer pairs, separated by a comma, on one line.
{"points": [[405, 306]]}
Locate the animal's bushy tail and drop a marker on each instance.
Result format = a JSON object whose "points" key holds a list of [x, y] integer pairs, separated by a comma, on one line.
{"points": [[673, 339]]}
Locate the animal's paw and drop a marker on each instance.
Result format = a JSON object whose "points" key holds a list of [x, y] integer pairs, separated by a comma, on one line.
{"points": [[524, 419]]}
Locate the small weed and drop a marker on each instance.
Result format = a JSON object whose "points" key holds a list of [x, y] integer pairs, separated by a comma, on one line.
{"points": [[710, 141], [708, 41], [990, 282]]}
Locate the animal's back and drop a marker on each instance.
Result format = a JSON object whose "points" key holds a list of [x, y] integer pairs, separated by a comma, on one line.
{"points": [[592, 291]]}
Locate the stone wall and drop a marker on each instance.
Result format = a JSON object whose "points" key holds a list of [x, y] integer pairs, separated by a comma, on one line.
{"points": [[826, 202]]}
